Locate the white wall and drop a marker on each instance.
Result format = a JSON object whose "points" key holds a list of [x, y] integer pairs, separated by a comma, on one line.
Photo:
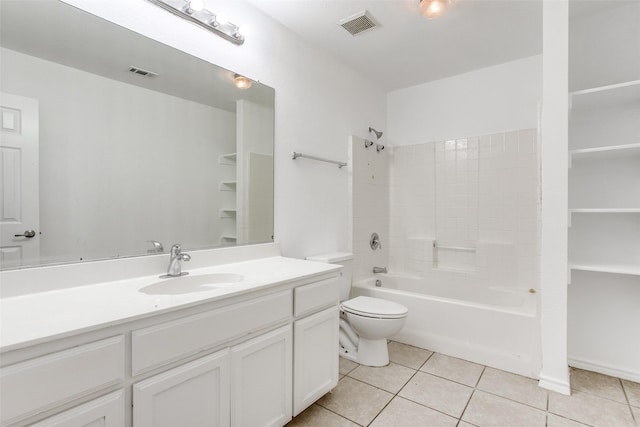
{"points": [[319, 103], [604, 47], [490, 100], [98, 163]]}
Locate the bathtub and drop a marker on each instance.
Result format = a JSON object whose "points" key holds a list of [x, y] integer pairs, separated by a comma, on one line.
{"points": [[493, 326]]}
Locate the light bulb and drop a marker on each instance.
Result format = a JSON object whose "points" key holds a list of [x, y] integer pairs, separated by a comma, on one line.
{"points": [[196, 5], [222, 18], [433, 8], [241, 82]]}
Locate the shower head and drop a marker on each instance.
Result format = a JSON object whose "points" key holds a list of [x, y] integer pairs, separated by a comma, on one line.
{"points": [[378, 134], [367, 143], [379, 147]]}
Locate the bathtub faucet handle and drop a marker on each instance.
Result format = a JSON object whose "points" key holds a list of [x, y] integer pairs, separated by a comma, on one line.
{"points": [[374, 242]]}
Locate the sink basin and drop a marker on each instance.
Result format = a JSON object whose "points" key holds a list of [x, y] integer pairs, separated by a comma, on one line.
{"points": [[189, 284]]}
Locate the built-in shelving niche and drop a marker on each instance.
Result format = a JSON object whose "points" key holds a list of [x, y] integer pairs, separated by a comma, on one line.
{"points": [[604, 184], [230, 214]]}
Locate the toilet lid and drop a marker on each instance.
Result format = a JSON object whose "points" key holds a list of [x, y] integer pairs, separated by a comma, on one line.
{"points": [[374, 307]]}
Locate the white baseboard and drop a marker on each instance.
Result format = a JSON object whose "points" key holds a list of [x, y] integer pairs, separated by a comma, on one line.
{"points": [[614, 371], [555, 384]]}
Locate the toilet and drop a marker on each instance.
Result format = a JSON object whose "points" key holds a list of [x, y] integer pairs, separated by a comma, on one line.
{"points": [[365, 322]]}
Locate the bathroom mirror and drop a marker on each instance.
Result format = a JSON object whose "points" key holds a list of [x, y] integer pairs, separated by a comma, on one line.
{"points": [[112, 141]]}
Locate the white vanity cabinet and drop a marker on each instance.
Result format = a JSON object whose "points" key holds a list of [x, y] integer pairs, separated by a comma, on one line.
{"points": [[194, 394], [261, 376], [315, 336], [106, 411], [250, 360]]}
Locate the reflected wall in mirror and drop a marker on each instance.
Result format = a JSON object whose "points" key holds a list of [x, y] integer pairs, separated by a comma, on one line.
{"points": [[111, 140]]}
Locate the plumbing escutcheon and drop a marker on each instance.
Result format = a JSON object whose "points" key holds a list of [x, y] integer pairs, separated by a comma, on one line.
{"points": [[374, 242]]}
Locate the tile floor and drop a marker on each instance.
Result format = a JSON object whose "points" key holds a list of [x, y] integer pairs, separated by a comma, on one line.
{"points": [[422, 388]]}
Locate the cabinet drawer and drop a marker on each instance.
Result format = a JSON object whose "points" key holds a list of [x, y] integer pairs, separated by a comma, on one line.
{"points": [[48, 381], [158, 345], [313, 297], [106, 411]]}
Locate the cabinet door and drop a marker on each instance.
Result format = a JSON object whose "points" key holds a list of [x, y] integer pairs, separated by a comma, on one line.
{"points": [[194, 394], [315, 357], [105, 411], [261, 380]]}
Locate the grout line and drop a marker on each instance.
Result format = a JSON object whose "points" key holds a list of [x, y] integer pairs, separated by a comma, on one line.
{"points": [[467, 405], [484, 368], [334, 412]]}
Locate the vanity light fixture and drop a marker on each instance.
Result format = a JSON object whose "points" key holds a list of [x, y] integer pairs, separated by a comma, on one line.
{"points": [[195, 12], [241, 82], [433, 8]]}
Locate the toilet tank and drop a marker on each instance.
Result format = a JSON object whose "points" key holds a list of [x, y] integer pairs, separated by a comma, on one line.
{"points": [[341, 258]]}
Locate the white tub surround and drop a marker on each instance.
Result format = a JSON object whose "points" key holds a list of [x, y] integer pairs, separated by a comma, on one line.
{"points": [[100, 345], [492, 326]]}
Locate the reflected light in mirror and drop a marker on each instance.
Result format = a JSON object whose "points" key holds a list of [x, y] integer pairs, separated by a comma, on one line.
{"points": [[241, 82]]}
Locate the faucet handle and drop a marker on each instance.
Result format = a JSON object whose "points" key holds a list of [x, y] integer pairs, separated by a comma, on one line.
{"points": [[157, 247], [176, 249]]}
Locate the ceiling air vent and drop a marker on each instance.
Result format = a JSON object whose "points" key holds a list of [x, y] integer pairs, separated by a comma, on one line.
{"points": [[359, 23], [140, 71]]}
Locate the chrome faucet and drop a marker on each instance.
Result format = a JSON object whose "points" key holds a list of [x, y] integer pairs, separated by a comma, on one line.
{"points": [[379, 270], [175, 263], [157, 247]]}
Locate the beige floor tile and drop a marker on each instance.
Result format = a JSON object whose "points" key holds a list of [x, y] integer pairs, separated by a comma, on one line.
{"points": [[401, 412], [406, 355], [463, 424], [390, 378], [357, 401], [556, 421], [590, 409], [636, 414], [317, 416], [598, 384], [487, 410], [437, 393], [633, 392], [514, 387], [345, 366], [453, 369]]}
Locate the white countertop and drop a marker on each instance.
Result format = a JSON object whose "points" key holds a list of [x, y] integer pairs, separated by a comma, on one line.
{"points": [[43, 316]]}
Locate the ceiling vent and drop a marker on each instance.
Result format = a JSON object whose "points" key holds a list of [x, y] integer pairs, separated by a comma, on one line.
{"points": [[359, 23], [140, 71]]}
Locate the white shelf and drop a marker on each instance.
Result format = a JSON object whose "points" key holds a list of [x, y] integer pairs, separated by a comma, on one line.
{"points": [[605, 153], [228, 159], [227, 186], [602, 211], [227, 213], [605, 96], [630, 270]]}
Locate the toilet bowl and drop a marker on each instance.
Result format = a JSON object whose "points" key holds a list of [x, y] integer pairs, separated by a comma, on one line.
{"points": [[365, 322]]}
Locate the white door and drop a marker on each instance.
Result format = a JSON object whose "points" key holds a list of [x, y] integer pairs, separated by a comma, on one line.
{"points": [[261, 380], [194, 394], [315, 357], [19, 197]]}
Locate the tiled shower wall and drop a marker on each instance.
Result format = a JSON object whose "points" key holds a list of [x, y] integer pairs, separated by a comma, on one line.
{"points": [[369, 186], [478, 198]]}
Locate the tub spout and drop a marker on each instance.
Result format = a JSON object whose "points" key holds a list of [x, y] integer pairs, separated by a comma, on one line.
{"points": [[379, 270]]}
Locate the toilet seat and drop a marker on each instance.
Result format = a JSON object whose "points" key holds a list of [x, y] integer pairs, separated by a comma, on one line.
{"points": [[375, 308]]}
